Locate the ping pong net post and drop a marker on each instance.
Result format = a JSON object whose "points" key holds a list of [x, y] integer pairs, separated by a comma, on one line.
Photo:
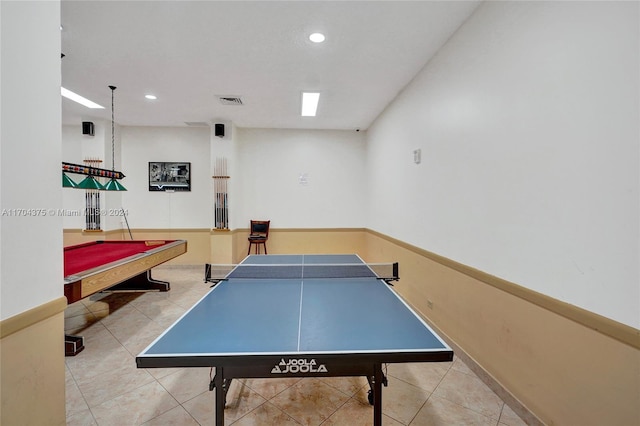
{"points": [[388, 272]]}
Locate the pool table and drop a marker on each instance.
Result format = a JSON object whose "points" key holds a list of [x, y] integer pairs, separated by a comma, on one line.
{"points": [[100, 265], [115, 266]]}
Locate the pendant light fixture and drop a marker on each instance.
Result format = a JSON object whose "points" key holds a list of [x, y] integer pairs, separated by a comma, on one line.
{"points": [[90, 182], [67, 182], [113, 184]]}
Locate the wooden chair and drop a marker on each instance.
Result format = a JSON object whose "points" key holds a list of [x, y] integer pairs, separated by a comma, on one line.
{"points": [[258, 235]]}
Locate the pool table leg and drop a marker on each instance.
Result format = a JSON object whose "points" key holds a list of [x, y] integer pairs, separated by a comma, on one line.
{"points": [[73, 345], [141, 282]]}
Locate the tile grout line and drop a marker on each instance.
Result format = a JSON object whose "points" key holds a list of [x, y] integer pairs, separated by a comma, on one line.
{"points": [[81, 394]]}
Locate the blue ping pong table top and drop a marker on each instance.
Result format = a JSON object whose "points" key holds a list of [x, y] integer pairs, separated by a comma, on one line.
{"points": [[308, 316]]}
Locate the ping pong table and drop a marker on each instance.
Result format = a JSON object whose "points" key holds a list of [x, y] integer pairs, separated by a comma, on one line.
{"points": [[277, 316]]}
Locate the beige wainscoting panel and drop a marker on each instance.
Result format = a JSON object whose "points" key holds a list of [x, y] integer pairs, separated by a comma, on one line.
{"points": [[32, 375], [564, 370], [306, 241], [222, 247], [71, 237]]}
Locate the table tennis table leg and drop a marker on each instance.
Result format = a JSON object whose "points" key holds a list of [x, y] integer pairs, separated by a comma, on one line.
{"points": [[377, 395], [220, 396]]}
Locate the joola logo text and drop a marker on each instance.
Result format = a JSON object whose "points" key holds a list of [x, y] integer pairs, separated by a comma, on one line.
{"points": [[293, 366]]}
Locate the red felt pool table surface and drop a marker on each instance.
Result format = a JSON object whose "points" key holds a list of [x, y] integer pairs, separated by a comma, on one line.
{"points": [[83, 257]]}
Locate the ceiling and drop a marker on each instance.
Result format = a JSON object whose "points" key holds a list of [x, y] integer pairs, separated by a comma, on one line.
{"points": [[188, 53]]}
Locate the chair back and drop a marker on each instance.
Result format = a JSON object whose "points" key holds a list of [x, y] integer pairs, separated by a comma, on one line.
{"points": [[260, 228]]}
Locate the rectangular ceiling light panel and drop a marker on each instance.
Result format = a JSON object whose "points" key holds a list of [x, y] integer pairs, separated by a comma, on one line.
{"points": [[79, 99], [310, 103]]}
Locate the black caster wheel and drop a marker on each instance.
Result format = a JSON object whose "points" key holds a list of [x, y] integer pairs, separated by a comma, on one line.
{"points": [[370, 397]]}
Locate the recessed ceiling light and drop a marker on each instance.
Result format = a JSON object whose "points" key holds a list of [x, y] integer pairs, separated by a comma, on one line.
{"points": [[151, 97], [317, 37], [310, 103], [79, 99]]}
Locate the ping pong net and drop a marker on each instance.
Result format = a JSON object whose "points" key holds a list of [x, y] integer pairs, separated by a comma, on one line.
{"points": [[384, 271]]}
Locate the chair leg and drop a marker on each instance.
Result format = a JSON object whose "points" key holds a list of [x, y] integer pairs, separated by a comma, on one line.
{"points": [[257, 249]]}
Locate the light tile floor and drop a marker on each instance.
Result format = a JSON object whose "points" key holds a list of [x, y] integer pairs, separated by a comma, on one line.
{"points": [[104, 387]]}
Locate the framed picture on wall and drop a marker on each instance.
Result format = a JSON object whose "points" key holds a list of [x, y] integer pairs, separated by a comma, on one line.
{"points": [[169, 176]]}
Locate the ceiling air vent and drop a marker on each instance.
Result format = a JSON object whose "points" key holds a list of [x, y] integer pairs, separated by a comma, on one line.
{"points": [[196, 124], [230, 100]]}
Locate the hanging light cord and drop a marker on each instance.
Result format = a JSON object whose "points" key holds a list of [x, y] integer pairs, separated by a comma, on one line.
{"points": [[113, 155]]}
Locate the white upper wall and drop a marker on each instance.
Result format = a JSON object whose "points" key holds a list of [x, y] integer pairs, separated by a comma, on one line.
{"points": [[265, 165], [299, 178], [30, 174], [528, 124], [155, 209]]}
